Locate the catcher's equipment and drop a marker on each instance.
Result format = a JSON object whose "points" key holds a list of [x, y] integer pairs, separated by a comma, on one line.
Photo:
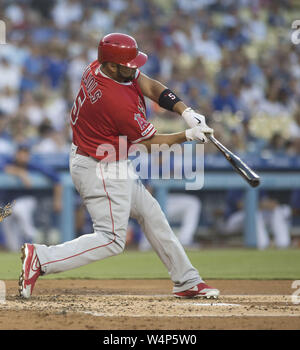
{"points": [[5, 211], [121, 49]]}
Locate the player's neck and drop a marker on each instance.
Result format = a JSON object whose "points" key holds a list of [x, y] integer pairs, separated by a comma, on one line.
{"points": [[110, 74]]}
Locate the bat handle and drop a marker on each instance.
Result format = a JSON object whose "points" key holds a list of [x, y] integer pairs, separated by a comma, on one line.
{"points": [[210, 136]]}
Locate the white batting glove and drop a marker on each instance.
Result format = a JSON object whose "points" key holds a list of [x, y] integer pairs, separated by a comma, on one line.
{"points": [[192, 118], [197, 133]]}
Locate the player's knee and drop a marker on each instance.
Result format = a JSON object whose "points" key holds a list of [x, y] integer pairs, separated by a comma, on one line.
{"points": [[119, 246], [112, 242]]}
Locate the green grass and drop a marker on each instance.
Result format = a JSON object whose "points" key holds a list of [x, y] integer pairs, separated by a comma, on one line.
{"points": [[222, 263]]}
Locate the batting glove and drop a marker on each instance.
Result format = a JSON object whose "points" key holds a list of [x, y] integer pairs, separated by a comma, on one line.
{"points": [[197, 133], [192, 118]]}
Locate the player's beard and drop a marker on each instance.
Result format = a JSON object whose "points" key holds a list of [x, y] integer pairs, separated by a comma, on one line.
{"points": [[123, 77]]}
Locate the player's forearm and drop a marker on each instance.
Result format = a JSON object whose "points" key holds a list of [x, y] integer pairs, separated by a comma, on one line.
{"points": [[165, 139], [180, 107], [153, 89]]}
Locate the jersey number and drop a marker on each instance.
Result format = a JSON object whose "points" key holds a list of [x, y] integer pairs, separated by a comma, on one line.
{"points": [[77, 105]]}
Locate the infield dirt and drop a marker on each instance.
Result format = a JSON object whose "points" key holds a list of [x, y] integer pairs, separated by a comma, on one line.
{"points": [[149, 304]]}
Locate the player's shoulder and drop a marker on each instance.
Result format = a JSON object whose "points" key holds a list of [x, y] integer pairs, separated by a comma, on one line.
{"points": [[95, 65], [91, 67], [89, 70], [92, 77]]}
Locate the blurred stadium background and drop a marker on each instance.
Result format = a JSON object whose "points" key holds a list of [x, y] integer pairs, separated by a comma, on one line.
{"points": [[233, 61]]}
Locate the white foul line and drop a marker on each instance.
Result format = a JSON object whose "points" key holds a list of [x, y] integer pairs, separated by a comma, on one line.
{"points": [[98, 314]]}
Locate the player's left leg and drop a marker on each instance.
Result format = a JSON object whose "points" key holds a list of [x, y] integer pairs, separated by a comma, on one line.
{"points": [[186, 279]]}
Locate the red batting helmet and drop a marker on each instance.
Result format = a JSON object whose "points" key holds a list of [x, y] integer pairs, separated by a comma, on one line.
{"points": [[122, 49]]}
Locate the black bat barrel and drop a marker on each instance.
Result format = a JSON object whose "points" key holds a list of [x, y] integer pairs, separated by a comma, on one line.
{"points": [[243, 169]]}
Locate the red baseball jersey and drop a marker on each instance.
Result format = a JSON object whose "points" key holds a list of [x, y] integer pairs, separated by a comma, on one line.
{"points": [[104, 111]]}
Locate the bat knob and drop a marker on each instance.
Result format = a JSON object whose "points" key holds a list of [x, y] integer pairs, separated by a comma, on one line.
{"points": [[255, 182]]}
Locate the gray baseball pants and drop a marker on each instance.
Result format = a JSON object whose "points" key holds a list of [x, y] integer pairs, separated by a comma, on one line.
{"points": [[110, 202]]}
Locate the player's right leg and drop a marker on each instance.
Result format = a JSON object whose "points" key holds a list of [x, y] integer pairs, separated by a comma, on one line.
{"points": [[31, 270], [108, 203]]}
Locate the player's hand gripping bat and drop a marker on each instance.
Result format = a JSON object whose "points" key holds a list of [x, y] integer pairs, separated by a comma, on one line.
{"points": [[243, 169]]}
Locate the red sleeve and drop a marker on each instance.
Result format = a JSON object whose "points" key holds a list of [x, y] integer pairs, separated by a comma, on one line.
{"points": [[133, 123], [136, 128]]}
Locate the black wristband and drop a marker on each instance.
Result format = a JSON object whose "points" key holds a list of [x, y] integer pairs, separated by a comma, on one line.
{"points": [[168, 99]]}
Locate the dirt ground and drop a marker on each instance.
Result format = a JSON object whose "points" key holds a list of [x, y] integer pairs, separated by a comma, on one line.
{"points": [[149, 305]]}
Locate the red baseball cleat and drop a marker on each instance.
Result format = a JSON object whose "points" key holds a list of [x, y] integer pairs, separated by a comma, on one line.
{"points": [[200, 290], [31, 270]]}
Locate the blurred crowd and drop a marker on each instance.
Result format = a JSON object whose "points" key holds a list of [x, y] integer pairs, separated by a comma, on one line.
{"points": [[231, 60]]}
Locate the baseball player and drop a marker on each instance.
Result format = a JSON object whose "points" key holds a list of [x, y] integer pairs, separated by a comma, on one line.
{"points": [[110, 103]]}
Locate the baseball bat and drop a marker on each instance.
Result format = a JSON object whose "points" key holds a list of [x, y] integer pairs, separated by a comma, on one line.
{"points": [[243, 169]]}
